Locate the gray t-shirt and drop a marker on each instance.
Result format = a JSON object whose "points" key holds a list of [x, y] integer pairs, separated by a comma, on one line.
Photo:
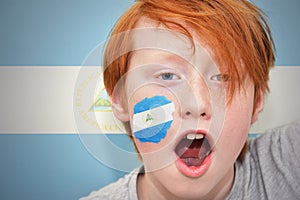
{"points": [[270, 170]]}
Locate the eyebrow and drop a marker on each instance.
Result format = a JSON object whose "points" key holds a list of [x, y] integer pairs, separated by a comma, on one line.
{"points": [[167, 57]]}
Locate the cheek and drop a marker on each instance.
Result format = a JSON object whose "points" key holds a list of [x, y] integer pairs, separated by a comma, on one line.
{"points": [[156, 156], [236, 128], [154, 144], [152, 118]]}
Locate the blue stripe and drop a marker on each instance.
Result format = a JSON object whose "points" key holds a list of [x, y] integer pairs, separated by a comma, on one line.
{"points": [[150, 103], [53, 32], [53, 166], [254, 135], [154, 133]]}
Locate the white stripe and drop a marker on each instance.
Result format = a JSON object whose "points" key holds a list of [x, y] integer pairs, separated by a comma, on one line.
{"points": [[39, 100], [159, 114]]}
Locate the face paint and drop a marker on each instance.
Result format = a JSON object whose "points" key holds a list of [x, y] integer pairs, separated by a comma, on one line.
{"points": [[152, 118]]}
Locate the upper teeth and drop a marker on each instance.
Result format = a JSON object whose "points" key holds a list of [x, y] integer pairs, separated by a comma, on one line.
{"points": [[192, 136]]}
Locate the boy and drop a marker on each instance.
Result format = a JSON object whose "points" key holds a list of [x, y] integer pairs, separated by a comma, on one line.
{"points": [[187, 79]]}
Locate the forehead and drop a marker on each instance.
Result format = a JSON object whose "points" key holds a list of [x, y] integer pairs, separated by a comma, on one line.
{"points": [[154, 41], [149, 34]]}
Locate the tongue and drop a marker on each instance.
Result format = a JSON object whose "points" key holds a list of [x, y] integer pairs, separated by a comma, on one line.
{"points": [[192, 153]]}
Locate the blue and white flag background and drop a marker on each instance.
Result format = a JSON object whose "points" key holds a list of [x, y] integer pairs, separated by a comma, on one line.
{"points": [[42, 45]]}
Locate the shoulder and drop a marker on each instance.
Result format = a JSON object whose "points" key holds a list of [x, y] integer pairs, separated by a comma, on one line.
{"points": [[278, 146], [271, 168], [124, 188], [289, 129], [284, 140], [274, 159]]}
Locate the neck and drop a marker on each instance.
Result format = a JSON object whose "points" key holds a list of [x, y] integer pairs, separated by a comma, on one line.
{"points": [[223, 188], [149, 189]]}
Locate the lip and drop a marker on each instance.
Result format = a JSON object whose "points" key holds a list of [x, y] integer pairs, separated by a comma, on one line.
{"points": [[194, 171]]}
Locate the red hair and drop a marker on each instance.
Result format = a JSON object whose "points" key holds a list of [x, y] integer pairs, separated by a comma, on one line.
{"points": [[235, 30]]}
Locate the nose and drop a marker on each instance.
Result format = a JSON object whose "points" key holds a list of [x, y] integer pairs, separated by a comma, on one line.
{"points": [[195, 100]]}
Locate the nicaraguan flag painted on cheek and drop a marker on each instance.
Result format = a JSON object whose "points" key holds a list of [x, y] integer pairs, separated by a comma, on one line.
{"points": [[152, 118]]}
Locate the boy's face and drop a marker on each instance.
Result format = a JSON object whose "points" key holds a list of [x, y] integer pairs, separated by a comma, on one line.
{"points": [[194, 155]]}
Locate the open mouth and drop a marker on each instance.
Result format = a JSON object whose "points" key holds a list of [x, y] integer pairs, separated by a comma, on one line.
{"points": [[193, 149]]}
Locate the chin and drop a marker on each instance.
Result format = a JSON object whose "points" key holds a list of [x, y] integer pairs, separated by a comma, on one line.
{"points": [[180, 186]]}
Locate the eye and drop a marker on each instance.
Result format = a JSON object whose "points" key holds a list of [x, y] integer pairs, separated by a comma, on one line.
{"points": [[220, 77], [168, 76]]}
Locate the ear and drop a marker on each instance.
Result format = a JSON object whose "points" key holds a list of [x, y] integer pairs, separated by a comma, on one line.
{"points": [[258, 107], [118, 107]]}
